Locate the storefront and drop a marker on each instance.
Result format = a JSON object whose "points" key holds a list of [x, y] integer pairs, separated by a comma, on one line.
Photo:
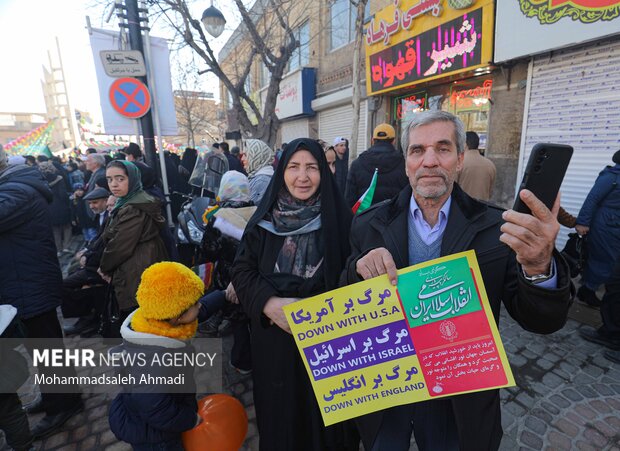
{"points": [[572, 96], [433, 54], [336, 118]]}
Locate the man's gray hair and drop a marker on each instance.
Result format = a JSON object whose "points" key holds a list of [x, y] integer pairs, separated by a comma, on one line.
{"points": [[97, 158], [429, 117]]}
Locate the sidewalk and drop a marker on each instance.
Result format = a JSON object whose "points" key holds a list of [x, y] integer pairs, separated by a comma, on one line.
{"points": [[567, 396]]}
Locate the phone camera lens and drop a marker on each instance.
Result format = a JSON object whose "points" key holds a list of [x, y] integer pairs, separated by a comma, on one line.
{"points": [[537, 168], [540, 159], [543, 152]]}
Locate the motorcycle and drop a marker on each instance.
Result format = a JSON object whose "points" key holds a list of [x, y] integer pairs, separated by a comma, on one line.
{"points": [[205, 179]]}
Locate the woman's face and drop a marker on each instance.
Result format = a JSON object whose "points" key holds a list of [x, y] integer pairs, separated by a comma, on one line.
{"points": [[118, 182], [302, 175], [330, 154]]}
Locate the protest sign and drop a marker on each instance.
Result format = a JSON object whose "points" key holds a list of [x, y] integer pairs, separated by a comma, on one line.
{"points": [[371, 346]]}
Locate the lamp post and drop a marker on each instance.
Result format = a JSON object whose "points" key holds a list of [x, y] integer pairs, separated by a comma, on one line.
{"points": [[213, 21]]}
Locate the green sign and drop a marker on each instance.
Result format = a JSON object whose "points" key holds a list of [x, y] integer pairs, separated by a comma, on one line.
{"points": [[438, 292]]}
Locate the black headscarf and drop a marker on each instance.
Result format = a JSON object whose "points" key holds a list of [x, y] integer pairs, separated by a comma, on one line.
{"points": [[335, 215]]}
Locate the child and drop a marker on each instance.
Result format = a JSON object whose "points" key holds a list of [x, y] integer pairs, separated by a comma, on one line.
{"points": [[166, 318]]}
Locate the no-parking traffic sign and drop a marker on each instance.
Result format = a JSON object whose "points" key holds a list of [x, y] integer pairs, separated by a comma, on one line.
{"points": [[130, 97]]}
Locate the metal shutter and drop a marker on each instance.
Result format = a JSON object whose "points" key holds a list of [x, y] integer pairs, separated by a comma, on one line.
{"points": [[338, 122], [294, 129], [575, 99]]}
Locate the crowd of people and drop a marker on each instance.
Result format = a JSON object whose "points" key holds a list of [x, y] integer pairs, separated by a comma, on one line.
{"points": [[282, 229]]}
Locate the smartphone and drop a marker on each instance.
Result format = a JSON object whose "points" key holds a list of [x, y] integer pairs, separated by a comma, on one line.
{"points": [[544, 174]]}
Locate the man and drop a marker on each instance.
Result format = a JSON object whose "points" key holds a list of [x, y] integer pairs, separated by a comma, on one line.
{"points": [[342, 162], [236, 153], [384, 157], [433, 217], [478, 174], [30, 277], [234, 164], [82, 288], [95, 165]]}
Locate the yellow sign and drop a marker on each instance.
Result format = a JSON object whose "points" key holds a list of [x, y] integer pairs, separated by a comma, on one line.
{"points": [[371, 346], [413, 41]]}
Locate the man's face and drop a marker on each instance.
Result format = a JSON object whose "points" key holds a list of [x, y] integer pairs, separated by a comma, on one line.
{"points": [[129, 157], [91, 165], [340, 149], [98, 206], [432, 160]]}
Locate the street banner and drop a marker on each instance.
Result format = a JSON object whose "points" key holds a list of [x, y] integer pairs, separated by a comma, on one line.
{"points": [[370, 346], [113, 122]]}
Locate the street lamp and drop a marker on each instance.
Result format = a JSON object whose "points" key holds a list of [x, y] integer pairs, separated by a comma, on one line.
{"points": [[213, 21]]}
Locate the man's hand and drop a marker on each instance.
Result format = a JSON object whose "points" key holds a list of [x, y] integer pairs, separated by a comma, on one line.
{"points": [[376, 263], [582, 230], [273, 310], [532, 237], [231, 296]]}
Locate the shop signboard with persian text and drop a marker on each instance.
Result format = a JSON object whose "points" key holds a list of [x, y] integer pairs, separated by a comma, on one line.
{"points": [[371, 345], [530, 27], [414, 41]]}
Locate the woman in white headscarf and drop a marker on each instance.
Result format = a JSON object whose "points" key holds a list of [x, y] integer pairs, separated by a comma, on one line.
{"points": [[257, 160]]}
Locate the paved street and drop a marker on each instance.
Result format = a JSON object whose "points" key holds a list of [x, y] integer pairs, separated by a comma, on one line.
{"points": [[567, 396]]}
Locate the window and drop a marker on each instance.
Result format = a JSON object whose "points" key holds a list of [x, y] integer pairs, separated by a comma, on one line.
{"points": [[342, 14], [229, 100], [301, 55], [248, 84], [264, 74]]}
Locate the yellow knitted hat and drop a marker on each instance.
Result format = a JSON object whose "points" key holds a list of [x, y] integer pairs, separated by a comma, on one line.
{"points": [[167, 289]]}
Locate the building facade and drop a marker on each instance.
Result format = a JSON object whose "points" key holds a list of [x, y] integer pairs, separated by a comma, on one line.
{"points": [[573, 79]]}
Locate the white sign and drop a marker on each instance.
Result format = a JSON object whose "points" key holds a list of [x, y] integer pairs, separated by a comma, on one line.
{"points": [[517, 35], [114, 123], [290, 97], [123, 63]]}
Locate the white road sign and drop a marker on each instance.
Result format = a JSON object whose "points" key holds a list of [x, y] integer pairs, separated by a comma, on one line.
{"points": [[123, 63]]}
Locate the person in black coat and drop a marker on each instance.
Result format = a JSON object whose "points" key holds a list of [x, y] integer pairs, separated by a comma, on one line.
{"points": [[277, 263], [60, 208], [234, 164], [30, 277], [537, 292], [384, 157]]}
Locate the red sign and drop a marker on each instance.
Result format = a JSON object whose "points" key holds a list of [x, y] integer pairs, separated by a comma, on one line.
{"points": [[130, 97]]}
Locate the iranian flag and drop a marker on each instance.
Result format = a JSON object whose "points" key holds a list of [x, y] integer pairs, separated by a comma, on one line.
{"points": [[365, 200]]}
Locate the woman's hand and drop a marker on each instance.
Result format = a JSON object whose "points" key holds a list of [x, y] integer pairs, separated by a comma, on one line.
{"points": [[104, 276], [231, 296], [273, 310], [582, 230]]}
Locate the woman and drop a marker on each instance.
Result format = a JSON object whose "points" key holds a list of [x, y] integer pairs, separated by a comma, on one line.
{"points": [[257, 160], [599, 218], [330, 155], [188, 161], [60, 208], [224, 227], [294, 246], [132, 236]]}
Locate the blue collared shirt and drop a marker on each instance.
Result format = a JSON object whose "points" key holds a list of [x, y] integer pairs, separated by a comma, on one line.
{"points": [[429, 234]]}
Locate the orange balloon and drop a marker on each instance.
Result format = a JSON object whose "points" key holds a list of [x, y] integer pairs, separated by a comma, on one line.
{"points": [[223, 428]]}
